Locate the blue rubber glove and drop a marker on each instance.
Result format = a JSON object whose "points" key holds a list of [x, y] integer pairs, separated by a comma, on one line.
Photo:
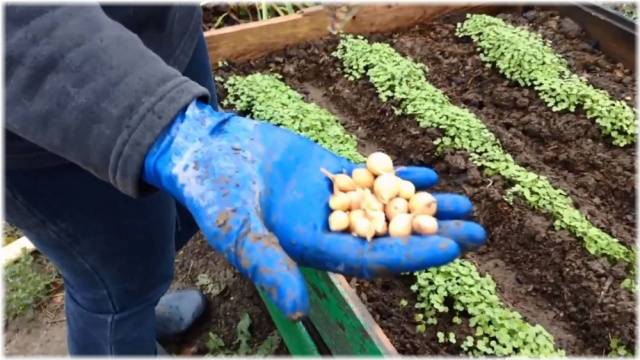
{"points": [[245, 181]]}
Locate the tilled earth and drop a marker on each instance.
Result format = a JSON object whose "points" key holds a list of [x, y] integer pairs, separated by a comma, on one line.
{"points": [[544, 274], [229, 296]]}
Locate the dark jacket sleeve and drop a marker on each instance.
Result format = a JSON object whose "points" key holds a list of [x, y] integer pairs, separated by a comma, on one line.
{"points": [[84, 87]]}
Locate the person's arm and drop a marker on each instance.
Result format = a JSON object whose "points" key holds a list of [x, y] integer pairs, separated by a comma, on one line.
{"points": [[84, 87]]}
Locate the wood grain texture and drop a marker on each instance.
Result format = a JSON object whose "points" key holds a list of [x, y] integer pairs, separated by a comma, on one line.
{"points": [[252, 40], [381, 18]]}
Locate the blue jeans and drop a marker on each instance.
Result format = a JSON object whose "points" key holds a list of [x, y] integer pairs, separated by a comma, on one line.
{"points": [[114, 252]]}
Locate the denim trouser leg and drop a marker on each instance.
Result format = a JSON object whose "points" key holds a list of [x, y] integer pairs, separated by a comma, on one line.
{"points": [[114, 252]]}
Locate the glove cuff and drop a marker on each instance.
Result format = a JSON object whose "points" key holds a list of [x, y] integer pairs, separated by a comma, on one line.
{"points": [[185, 134]]}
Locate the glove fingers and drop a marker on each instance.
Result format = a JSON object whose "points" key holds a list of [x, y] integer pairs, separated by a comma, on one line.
{"points": [[256, 253], [408, 254], [421, 177], [469, 235], [452, 206], [346, 254]]}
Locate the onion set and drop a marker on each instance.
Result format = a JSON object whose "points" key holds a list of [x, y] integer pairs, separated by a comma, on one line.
{"points": [[374, 201]]}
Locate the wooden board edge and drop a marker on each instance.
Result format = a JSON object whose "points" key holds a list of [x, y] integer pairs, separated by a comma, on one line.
{"points": [[614, 39], [362, 313], [13, 251], [287, 19], [256, 39], [295, 336], [382, 18], [252, 40], [341, 330]]}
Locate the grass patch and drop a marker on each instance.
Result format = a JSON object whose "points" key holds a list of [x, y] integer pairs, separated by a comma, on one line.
{"points": [[27, 283]]}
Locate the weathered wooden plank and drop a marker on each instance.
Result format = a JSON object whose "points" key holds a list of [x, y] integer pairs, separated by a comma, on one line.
{"points": [[343, 322], [360, 311], [294, 334], [381, 18], [14, 251], [252, 40]]}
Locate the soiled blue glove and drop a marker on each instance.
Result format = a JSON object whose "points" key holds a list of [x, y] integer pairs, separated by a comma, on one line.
{"points": [[245, 181]]}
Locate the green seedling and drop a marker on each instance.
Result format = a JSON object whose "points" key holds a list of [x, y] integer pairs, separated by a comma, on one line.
{"points": [[216, 346], [209, 286], [618, 349], [266, 97], [527, 59], [404, 82], [497, 329]]}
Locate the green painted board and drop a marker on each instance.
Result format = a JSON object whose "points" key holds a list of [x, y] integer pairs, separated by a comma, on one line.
{"points": [[294, 334], [344, 324], [340, 318]]}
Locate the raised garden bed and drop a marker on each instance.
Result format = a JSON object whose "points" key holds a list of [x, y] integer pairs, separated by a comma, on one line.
{"points": [[545, 275], [570, 299]]}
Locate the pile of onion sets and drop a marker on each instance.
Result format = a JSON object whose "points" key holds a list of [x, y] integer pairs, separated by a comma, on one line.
{"points": [[373, 201]]}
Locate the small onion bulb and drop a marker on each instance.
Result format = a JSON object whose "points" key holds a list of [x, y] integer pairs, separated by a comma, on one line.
{"points": [[400, 225], [425, 224], [355, 214], [380, 163], [370, 202], [396, 206], [340, 201], [341, 182], [378, 221], [362, 177], [386, 187], [423, 203], [356, 198], [363, 227], [406, 189], [338, 221]]}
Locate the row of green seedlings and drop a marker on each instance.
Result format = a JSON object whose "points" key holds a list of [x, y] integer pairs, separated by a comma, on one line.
{"points": [[526, 58], [496, 329], [404, 82]]}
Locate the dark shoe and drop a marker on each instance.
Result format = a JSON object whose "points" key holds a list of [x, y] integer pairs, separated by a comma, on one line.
{"points": [[177, 311]]}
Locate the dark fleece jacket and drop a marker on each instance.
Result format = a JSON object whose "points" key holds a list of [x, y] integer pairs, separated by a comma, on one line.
{"points": [[95, 85]]}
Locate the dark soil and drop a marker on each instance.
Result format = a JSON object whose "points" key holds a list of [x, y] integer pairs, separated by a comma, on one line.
{"points": [[544, 274], [225, 309]]}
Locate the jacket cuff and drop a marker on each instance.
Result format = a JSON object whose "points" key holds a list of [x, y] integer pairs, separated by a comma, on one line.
{"points": [[127, 158]]}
